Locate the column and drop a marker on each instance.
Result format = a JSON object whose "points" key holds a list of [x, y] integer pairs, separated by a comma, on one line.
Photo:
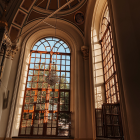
{"points": [[7, 51], [89, 131]]}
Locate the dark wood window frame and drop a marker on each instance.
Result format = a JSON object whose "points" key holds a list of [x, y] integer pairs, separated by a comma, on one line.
{"points": [[109, 64], [108, 119]]}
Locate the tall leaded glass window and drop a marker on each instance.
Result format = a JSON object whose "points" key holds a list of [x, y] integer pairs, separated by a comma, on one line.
{"points": [[46, 108], [109, 66], [107, 107]]}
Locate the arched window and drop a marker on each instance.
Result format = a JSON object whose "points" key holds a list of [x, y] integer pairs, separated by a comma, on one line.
{"points": [[46, 107], [107, 107], [109, 63]]}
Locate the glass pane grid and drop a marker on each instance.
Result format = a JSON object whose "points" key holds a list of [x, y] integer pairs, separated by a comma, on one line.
{"points": [[42, 101], [111, 121], [109, 66]]}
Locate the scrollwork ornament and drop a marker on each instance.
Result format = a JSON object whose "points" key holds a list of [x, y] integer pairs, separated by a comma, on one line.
{"points": [[11, 51], [7, 46], [85, 51], [6, 39]]}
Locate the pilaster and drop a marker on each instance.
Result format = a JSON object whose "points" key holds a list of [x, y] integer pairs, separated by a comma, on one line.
{"points": [[89, 131]]}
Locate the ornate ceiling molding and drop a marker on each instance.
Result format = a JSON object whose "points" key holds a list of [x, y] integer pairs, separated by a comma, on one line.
{"points": [[61, 13], [25, 12]]}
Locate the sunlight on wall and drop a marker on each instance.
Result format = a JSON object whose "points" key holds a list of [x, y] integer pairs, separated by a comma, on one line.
{"points": [[27, 61], [20, 97], [18, 122], [97, 69], [21, 101], [22, 94], [98, 97], [19, 110]]}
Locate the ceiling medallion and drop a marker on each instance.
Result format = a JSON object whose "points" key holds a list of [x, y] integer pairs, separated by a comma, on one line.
{"points": [[79, 18]]}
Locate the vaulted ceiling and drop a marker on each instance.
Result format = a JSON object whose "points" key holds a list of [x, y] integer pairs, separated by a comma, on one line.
{"points": [[25, 11], [52, 5]]}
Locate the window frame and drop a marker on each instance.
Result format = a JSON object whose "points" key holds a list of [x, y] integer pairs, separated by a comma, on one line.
{"points": [[68, 90], [106, 41]]}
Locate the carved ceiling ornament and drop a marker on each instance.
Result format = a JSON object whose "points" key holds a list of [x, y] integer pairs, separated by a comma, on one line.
{"points": [[79, 18], [85, 51], [47, 6]]}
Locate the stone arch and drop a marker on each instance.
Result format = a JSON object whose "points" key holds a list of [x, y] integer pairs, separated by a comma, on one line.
{"points": [[74, 39]]}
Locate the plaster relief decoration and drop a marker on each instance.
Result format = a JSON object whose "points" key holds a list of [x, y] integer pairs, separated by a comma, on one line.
{"points": [[85, 51], [8, 50], [47, 6], [79, 18]]}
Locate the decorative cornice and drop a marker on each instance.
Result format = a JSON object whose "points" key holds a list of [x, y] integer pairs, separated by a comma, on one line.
{"points": [[6, 45], [85, 51]]}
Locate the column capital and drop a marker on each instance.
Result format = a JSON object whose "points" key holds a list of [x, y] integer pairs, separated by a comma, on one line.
{"points": [[85, 51]]}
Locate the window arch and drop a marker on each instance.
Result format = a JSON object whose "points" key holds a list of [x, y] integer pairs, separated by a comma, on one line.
{"points": [[107, 106], [105, 76], [51, 44], [46, 108]]}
